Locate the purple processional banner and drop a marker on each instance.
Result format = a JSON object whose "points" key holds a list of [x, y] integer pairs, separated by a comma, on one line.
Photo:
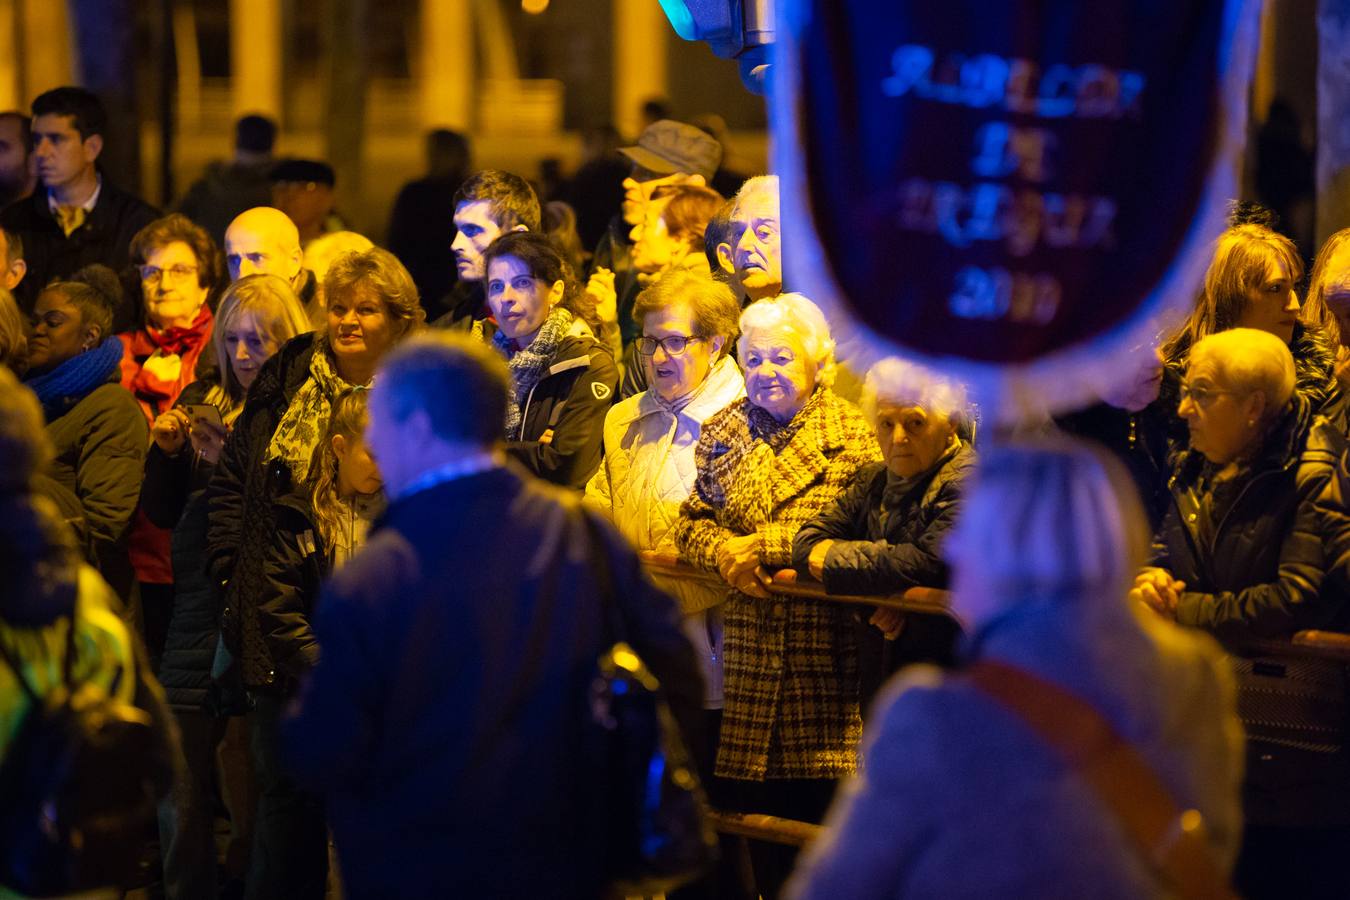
{"points": [[1018, 192]]}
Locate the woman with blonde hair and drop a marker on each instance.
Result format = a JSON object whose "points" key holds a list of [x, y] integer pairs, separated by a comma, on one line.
{"points": [[1329, 285], [1252, 283], [372, 306], [257, 314], [1050, 534], [13, 335]]}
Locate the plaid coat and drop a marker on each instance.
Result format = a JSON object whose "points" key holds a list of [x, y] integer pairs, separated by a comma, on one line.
{"points": [[791, 665]]}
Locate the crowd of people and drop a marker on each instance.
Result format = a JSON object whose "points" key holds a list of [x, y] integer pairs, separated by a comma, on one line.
{"points": [[359, 512]]}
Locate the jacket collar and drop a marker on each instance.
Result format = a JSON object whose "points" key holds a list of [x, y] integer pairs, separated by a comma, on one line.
{"points": [[1280, 449]]}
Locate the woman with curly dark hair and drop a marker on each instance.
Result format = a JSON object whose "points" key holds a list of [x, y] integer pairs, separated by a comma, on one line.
{"points": [[564, 377]]}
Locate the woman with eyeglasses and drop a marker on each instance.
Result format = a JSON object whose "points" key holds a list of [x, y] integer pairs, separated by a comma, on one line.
{"points": [[97, 427], [181, 270], [1257, 545], [564, 377], [688, 323]]}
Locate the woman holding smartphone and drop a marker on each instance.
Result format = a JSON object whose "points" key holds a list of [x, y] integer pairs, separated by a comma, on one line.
{"points": [[257, 315]]}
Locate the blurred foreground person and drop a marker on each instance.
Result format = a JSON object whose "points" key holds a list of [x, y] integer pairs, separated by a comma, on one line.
{"points": [[59, 635], [1041, 557], [445, 719], [883, 534], [229, 187]]}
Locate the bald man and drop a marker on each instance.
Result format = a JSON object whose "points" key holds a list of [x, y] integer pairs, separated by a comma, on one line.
{"points": [[264, 241]]}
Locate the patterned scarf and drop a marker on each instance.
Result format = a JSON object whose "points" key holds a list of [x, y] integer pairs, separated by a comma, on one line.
{"points": [[305, 420], [73, 380], [764, 427], [164, 374], [529, 365]]}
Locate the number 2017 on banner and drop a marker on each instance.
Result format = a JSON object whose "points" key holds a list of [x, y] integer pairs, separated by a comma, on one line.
{"points": [[996, 293]]}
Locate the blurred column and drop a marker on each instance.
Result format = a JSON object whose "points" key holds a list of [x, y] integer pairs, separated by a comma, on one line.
{"points": [[1333, 117], [446, 65], [641, 32], [11, 82], [46, 48], [255, 57]]}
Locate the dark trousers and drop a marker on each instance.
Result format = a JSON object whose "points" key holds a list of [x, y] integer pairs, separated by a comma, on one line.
{"points": [[805, 800], [289, 860], [729, 878], [156, 603], [187, 833]]}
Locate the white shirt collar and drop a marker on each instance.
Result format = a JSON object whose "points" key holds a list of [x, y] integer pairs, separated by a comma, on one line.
{"points": [[88, 205]]}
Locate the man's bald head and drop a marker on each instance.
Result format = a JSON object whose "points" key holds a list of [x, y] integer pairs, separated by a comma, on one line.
{"points": [[263, 240], [1248, 359]]}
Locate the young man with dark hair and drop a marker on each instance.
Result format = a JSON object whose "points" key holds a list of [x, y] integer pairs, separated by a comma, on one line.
{"points": [[78, 217], [487, 205]]}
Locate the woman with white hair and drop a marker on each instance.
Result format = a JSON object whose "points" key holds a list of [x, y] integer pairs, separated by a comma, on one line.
{"points": [[959, 795], [1257, 544], [767, 465], [882, 534]]}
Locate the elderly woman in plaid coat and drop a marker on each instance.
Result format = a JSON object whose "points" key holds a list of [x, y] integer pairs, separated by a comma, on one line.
{"points": [[767, 465]]}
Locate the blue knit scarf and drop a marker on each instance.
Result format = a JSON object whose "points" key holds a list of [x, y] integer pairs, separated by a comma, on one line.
{"points": [[73, 380]]}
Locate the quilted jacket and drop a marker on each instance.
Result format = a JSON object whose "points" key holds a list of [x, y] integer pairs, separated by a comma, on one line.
{"points": [[791, 707]]}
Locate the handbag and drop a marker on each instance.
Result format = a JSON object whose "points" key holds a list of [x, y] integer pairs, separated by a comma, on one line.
{"points": [[657, 832], [1171, 840]]}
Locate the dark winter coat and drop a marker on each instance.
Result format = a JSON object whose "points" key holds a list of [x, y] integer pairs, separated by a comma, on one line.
{"points": [[1278, 560], [444, 721], [872, 556], [100, 447], [563, 418], [1138, 440], [174, 497], [461, 307], [240, 501], [105, 237], [297, 563]]}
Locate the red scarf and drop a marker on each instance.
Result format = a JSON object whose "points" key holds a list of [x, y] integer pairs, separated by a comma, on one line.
{"points": [[158, 363]]}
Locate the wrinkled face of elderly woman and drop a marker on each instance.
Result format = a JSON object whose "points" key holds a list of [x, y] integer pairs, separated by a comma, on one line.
{"points": [[678, 357], [912, 438], [172, 288], [1224, 420], [779, 372]]}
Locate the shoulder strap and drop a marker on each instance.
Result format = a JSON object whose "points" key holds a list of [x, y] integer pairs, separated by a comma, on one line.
{"points": [[1170, 839]]}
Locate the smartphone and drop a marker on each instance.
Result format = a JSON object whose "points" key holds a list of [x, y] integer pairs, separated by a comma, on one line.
{"points": [[205, 411]]}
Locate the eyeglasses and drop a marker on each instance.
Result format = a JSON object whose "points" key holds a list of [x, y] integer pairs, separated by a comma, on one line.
{"points": [[152, 274], [1200, 396], [674, 344]]}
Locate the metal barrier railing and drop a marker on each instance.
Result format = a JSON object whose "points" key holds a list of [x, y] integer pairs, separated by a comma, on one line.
{"points": [[1323, 645]]}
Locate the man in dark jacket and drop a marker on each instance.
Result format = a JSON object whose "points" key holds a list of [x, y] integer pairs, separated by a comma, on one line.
{"points": [[445, 721], [422, 227], [78, 218]]}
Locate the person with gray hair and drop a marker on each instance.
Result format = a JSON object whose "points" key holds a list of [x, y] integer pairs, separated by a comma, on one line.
{"points": [[883, 534], [1256, 544], [755, 248], [959, 795], [767, 465]]}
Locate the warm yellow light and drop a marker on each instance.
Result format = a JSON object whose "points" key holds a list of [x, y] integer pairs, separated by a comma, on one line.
{"points": [[534, 7]]}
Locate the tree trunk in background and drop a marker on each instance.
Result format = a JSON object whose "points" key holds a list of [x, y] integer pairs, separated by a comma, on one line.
{"points": [[345, 100], [1333, 118], [105, 42]]}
